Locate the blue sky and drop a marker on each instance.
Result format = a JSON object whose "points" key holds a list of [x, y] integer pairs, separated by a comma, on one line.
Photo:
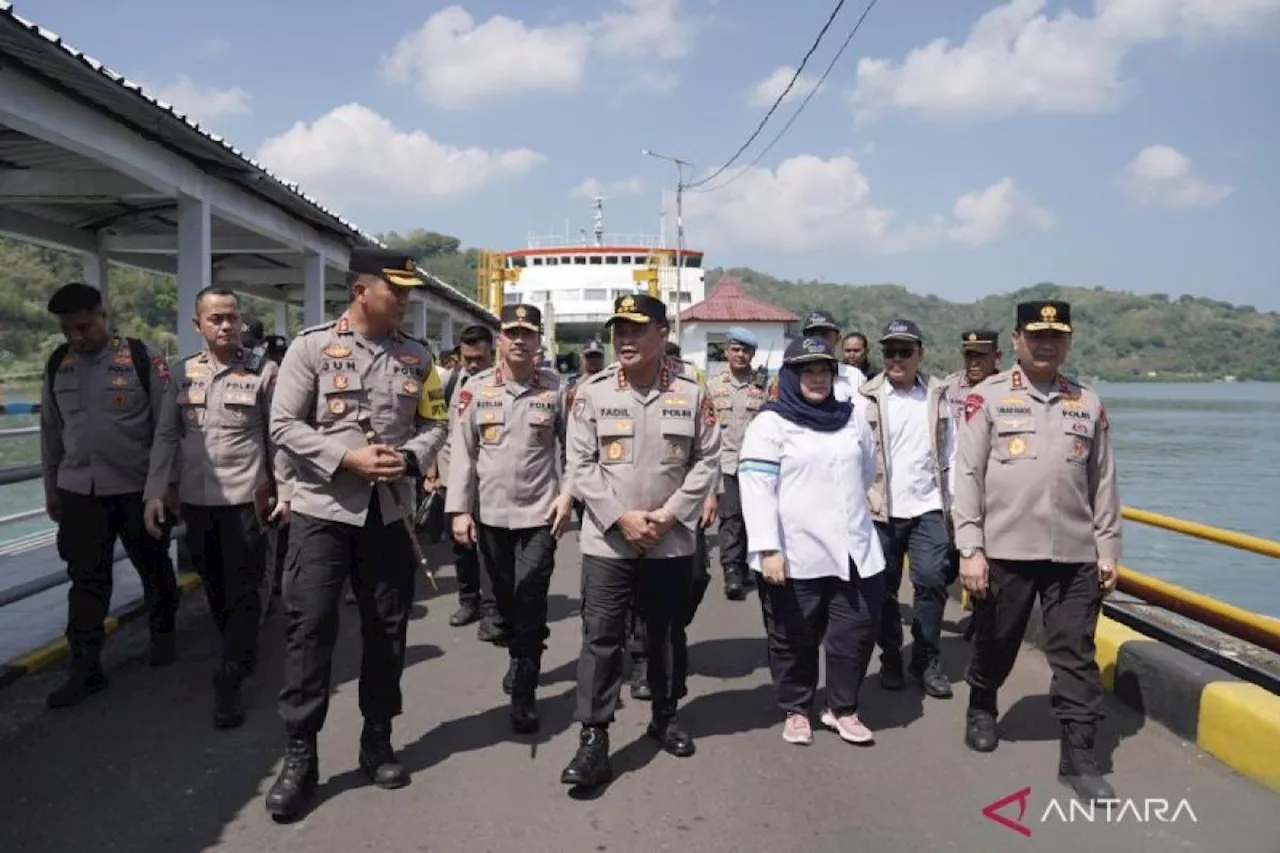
{"points": [[960, 148]]}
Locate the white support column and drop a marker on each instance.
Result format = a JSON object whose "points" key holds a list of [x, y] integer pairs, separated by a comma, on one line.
{"points": [[418, 318], [282, 319], [446, 332], [95, 270], [313, 313], [195, 266]]}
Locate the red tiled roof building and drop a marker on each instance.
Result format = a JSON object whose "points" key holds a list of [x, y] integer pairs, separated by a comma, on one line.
{"points": [[729, 303]]}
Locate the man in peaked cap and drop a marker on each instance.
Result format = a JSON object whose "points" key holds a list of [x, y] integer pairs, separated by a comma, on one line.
{"points": [[507, 494], [737, 393], [643, 455], [910, 498], [339, 380], [1030, 432], [980, 349]]}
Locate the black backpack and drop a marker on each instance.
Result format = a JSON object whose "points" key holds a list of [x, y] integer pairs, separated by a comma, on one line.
{"points": [[137, 349]]}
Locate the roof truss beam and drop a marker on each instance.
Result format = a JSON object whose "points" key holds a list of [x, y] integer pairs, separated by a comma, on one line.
{"points": [[250, 244], [37, 186]]}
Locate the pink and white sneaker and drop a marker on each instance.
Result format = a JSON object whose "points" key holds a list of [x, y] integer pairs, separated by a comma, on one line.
{"points": [[797, 730], [849, 727]]}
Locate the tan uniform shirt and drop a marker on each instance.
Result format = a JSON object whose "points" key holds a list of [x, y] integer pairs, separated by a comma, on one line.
{"points": [[97, 427], [1035, 474], [331, 378], [506, 436], [213, 437], [632, 451], [958, 388], [737, 403]]}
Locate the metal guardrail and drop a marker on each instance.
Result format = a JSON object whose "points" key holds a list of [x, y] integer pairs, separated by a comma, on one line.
{"points": [[1263, 631]]}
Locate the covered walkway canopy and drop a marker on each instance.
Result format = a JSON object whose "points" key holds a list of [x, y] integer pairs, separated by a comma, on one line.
{"points": [[90, 163]]}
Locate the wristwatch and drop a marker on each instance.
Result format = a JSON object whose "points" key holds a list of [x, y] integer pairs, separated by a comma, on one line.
{"points": [[966, 553]]}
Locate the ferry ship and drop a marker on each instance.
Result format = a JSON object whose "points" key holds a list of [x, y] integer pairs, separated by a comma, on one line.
{"points": [[575, 281]]}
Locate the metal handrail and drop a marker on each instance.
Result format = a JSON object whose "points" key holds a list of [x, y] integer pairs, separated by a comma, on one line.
{"points": [[1256, 628], [17, 431]]}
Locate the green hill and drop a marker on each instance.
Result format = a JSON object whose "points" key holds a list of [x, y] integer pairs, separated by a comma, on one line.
{"points": [[1121, 335]]}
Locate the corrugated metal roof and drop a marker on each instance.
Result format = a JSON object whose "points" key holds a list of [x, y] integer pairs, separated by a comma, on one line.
{"points": [[86, 79]]}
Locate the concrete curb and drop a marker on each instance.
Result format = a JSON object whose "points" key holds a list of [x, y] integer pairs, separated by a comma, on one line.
{"points": [[56, 650], [1233, 720]]}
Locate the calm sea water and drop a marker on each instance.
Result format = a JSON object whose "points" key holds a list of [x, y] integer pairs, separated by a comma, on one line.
{"points": [[1202, 452]]}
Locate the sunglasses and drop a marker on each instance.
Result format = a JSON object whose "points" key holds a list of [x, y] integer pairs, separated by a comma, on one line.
{"points": [[899, 352]]}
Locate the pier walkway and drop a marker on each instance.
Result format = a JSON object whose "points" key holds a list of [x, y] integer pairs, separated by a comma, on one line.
{"points": [[139, 768]]}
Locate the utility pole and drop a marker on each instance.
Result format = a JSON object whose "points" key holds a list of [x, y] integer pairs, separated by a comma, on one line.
{"points": [[680, 185]]}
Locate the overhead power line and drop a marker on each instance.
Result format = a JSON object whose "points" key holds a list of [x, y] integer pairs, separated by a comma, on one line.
{"points": [[786, 127], [760, 127]]}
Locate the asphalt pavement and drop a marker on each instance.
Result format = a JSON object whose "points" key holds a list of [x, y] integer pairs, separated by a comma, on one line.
{"points": [[139, 768]]}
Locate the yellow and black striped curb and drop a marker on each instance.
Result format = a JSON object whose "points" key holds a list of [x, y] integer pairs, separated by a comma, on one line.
{"points": [[1233, 720], [56, 650]]}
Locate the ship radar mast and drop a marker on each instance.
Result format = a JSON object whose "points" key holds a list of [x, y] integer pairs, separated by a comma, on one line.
{"points": [[597, 219]]}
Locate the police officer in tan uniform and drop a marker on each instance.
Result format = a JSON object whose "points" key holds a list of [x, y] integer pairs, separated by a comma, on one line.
{"points": [[643, 455], [212, 442], [350, 500], [101, 399], [737, 395], [507, 467], [475, 588], [1037, 514], [980, 349]]}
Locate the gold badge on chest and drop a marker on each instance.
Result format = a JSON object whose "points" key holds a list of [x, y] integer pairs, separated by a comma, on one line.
{"points": [[1017, 446]]}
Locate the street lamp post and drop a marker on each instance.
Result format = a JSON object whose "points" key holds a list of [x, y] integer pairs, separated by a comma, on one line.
{"points": [[680, 165]]}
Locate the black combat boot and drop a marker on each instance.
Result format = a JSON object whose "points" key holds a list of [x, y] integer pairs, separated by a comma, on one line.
{"points": [[524, 686], [85, 679], [164, 648], [733, 585], [980, 721], [227, 711], [377, 758], [640, 680], [491, 629], [509, 680], [466, 613], [297, 781], [1078, 766], [590, 765], [664, 727]]}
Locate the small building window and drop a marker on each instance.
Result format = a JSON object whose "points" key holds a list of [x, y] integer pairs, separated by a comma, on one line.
{"points": [[580, 260], [611, 260], [511, 297], [595, 294], [537, 262], [596, 260]]}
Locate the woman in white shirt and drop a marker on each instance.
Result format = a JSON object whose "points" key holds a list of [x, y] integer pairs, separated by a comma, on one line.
{"points": [[806, 462]]}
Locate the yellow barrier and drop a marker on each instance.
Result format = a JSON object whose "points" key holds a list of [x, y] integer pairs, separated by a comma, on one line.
{"points": [[1245, 625], [1241, 541]]}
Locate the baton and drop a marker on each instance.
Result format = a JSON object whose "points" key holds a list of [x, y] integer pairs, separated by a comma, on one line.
{"points": [[371, 436]]}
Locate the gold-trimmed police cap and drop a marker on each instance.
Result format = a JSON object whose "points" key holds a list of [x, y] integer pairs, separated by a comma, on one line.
{"points": [[521, 317], [396, 267], [638, 308], [980, 339], [1048, 315]]}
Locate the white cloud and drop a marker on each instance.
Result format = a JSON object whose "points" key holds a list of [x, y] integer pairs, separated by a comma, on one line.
{"points": [[983, 216], [352, 153], [1018, 59], [764, 93], [1162, 175], [809, 203], [201, 103], [453, 62], [590, 188]]}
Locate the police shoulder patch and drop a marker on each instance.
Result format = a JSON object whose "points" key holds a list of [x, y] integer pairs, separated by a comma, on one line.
{"points": [[310, 330], [972, 404]]}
